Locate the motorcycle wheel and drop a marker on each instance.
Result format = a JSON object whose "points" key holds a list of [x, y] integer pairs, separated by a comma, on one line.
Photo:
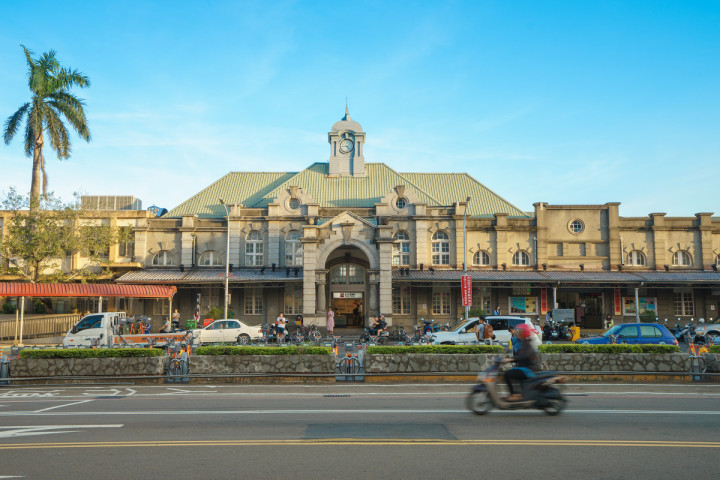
{"points": [[555, 406], [478, 402]]}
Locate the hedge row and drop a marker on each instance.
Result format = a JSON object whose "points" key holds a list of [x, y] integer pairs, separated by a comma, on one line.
{"points": [[235, 350], [607, 348], [714, 349], [90, 352], [442, 349]]}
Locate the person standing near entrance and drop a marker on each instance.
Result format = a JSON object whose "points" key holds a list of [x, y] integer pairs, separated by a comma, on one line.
{"points": [[330, 321], [497, 310]]}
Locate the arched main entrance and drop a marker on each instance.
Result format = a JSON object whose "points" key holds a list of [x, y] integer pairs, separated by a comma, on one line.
{"points": [[347, 285]]}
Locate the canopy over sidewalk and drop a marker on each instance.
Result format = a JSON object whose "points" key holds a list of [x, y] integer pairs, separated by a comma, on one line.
{"points": [[16, 289]]}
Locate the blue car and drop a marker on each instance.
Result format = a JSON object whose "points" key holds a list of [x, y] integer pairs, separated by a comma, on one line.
{"points": [[633, 333]]}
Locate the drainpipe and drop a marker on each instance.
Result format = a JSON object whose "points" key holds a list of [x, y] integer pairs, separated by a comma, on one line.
{"points": [[637, 305]]}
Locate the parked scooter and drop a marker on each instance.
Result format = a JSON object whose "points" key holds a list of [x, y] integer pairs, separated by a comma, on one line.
{"points": [[550, 331], [686, 332], [564, 332], [540, 391]]}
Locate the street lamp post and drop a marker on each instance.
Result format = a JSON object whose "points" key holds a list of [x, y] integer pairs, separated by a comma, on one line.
{"points": [[227, 255], [467, 202]]}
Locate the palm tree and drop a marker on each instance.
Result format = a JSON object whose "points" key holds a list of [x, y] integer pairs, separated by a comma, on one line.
{"points": [[51, 99]]}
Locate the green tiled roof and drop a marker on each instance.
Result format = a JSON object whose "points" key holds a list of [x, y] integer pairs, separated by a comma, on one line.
{"points": [[247, 188], [348, 191], [254, 189], [449, 188]]}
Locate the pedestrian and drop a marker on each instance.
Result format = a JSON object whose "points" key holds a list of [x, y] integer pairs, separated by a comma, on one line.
{"points": [[497, 310], [356, 314], [280, 326], [231, 312], [608, 321], [330, 321], [175, 320], [480, 330], [515, 342]]}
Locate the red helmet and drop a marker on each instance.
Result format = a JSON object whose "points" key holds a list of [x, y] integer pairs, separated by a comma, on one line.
{"points": [[524, 330]]}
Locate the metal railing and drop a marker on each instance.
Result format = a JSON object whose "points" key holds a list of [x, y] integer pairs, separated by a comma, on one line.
{"points": [[39, 326]]}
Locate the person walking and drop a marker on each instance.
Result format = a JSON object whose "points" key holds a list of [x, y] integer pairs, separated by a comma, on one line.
{"points": [[480, 330], [330, 321]]}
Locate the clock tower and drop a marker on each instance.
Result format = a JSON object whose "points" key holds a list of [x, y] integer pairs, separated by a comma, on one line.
{"points": [[347, 145]]}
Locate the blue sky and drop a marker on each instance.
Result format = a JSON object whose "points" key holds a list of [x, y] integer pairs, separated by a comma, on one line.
{"points": [[557, 101]]}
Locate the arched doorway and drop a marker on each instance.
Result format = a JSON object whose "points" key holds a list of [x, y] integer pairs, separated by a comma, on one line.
{"points": [[347, 281]]}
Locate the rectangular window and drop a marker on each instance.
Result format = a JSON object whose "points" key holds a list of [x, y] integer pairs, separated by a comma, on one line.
{"points": [[253, 301], [441, 302], [356, 275], [127, 248], [293, 299], [160, 307], [481, 299], [253, 254], [684, 305], [401, 300], [338, 275], [401, 254]]}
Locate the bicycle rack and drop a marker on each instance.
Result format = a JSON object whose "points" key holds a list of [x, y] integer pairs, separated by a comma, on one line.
{"points": [[4, 370], [351, 366], [698, 366]]}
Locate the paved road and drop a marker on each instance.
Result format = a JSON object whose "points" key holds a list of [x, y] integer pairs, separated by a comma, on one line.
{"points": [[353, 431]]}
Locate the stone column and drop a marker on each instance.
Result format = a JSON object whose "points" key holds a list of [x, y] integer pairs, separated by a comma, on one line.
{"points": [[320, 281], [373, 281]]}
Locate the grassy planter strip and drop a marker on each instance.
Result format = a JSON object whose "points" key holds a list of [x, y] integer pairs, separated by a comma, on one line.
{"points": [[90, 353], [614, 348], [714, 349], [233, 350], [439, 349]]}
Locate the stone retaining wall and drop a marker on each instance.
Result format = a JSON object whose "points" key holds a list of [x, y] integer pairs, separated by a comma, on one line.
{"points": [[565, 362], [110, 367], [219, 364]]}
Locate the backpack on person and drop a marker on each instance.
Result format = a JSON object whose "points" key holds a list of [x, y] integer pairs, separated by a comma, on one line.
{"points": [[488, 331]]}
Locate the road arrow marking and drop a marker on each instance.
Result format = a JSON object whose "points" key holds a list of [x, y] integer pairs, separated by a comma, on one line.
{"points": [[25, 430]]}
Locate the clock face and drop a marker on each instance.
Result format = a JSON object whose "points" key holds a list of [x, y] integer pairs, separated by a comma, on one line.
{"points": [[346, 146]]}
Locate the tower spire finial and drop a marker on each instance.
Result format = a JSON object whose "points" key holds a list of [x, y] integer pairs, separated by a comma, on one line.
{"points": [[347, 112]]}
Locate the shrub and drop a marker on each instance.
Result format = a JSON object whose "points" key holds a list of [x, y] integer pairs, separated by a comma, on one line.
{"points": [[8, 308], [714, 349], [39, 306], [441, 349], [246, 350], [215, 313], [90, 352], [609, 348], [648, 316], [477, 312]]}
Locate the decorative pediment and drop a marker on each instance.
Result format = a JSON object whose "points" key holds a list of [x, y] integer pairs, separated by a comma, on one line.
{"points": [[291, 201], [400, 200]]}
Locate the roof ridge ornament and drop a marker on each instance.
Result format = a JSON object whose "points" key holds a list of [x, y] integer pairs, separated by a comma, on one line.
{"points": [[347, 111]]}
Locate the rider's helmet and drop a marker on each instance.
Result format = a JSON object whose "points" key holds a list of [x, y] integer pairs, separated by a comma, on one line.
{"points": [[523, 331]]}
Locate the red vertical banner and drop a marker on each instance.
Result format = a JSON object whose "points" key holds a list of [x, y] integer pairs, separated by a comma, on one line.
{"points": [[466, 284], [618, 302], [543, 301]]}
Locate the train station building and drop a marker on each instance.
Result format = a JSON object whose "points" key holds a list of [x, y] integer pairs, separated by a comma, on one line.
{"points": [[364, 239]]}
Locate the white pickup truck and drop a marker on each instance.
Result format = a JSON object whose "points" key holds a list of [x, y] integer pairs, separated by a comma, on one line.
{"points": [[103, 330]]}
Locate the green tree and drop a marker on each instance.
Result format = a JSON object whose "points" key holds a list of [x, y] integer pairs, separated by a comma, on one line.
{"points": [[51, 100], [38, 242]]}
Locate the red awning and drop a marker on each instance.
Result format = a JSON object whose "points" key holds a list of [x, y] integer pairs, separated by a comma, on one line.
{"points": [[11, 289]]}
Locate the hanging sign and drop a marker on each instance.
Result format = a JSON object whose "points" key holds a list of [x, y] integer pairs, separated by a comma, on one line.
{"points": [[466, 283]]}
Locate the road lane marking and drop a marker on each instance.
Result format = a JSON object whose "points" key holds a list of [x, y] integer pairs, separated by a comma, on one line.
{"points": [[364, 442], [32, 430], [61, 406], [350, 411]]}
